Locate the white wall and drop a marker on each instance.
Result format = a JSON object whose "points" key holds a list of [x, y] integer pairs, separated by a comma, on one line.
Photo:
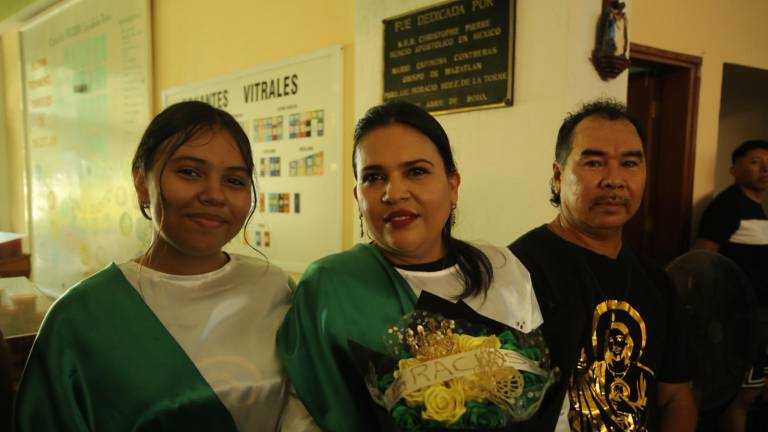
{"points": [[505, 155], [5, 185], [192, 40], [743, 115], [12, 134], [719, 32]]}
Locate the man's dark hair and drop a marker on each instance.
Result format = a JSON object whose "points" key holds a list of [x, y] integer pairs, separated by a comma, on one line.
{"points": [[609, 109], [746, 147]]}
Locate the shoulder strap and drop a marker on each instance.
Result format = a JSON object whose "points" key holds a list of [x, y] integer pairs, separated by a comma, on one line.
{"points": [[344, 296], [103, 361]]}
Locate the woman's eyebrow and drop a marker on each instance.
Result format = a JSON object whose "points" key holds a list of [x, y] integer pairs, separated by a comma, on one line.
{"points": [[200, 161], [411, 163]]}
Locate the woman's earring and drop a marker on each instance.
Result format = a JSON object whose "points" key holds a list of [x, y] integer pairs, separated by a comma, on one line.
{"points": [[452, 216], [144, 208], [362, 233]]}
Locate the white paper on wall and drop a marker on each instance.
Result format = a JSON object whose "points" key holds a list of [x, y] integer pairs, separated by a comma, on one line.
{"points": [[291, 111]]}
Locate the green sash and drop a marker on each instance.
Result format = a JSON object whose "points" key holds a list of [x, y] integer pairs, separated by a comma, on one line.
{"points": [[355, 295], [104, 362]]}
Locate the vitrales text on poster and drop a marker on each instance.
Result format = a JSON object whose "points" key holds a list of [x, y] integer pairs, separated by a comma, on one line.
{"points": [[256, 91]]}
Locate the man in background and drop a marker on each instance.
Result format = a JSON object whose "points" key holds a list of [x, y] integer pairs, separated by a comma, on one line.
{"points": [[611, 318], [735, 225], [6, 390]]}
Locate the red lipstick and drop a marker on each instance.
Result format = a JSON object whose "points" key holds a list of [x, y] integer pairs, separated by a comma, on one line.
{"points": [[400, 218]]}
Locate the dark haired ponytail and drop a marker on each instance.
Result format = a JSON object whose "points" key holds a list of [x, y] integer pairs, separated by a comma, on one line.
{"points": [[474, 266]]}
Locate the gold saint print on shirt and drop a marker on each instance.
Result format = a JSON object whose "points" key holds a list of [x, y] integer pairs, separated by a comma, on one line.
{"points": [[608, 390]]}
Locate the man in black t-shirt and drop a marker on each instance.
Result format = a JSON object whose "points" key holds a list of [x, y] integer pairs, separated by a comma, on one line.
{"points": [[610, 317], [735, 225], [6, 385]]}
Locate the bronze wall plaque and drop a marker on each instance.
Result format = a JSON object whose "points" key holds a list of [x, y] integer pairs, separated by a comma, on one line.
{"points": [[455, 56]]}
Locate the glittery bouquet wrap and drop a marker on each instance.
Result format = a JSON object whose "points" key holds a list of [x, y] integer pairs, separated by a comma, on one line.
{"points": [[461, 373]]}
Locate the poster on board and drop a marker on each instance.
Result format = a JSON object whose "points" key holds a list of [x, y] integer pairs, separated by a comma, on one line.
{"points": [[86, 81], [291, 111]]}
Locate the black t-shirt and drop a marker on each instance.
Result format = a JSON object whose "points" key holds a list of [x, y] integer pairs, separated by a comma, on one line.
{"points": [[6, 390], [739, 225], [613, 329]]}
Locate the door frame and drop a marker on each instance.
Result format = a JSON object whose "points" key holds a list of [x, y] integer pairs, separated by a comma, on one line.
{"points": [[693, 66]]}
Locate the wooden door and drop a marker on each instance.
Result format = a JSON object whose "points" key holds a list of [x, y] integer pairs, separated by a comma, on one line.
{"points": [[663, 96], [643, 94]]}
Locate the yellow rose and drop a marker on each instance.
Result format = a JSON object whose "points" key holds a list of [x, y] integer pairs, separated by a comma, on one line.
{"points": [[455, 339], [474, 388], [468, 343], [444, 404], [416, 397], [404, 364]]}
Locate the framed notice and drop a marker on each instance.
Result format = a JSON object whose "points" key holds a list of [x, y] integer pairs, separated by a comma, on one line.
{"points": [[454, 56], [291, 111], [86, 79]]}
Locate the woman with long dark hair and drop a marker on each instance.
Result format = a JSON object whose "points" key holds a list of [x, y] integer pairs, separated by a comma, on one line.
{"points": [[341, 322]]}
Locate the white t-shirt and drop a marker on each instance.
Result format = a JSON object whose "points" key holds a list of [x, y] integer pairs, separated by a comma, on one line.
{"points": [[510, 299], [226, 322]]}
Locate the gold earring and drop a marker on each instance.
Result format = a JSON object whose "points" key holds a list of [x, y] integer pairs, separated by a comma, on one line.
{"points": [[362, 233]]}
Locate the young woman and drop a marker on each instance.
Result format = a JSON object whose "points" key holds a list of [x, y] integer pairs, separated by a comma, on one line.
{"points": [[182, 337], [407, 191]]}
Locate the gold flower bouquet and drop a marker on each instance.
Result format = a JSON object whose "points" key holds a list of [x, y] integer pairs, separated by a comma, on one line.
{"points": [[457, 374]]}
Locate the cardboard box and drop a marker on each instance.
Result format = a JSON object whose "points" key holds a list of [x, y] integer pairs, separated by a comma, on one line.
{"points": [[10, 249], [10, 245]]}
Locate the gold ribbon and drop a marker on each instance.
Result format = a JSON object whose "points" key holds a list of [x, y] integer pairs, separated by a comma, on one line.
{"points": [[453, 366]]}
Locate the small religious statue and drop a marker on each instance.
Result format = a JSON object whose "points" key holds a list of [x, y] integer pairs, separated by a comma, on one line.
{"points": [[610, 54]]}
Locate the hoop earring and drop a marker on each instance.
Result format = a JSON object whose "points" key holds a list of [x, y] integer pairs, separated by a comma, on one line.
{"points": [[144, 208]]}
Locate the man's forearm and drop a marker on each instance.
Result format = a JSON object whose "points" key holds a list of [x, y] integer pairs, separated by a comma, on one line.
{"points": [[679, 415]]}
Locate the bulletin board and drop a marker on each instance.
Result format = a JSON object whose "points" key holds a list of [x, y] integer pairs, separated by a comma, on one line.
{"points": [[86, 81], [291, 111]]}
